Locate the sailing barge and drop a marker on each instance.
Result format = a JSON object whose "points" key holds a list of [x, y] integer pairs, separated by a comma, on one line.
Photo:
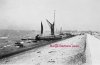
{"points": [[52, 36]]}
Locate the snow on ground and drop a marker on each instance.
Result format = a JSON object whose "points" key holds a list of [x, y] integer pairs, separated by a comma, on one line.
{"points": [[70, 54]]}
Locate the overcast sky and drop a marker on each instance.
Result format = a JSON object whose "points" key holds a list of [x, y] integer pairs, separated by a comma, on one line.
{"points": [[70, 14]]}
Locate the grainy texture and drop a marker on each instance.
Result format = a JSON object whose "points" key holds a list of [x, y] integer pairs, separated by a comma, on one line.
{"points": [[47, 55]]}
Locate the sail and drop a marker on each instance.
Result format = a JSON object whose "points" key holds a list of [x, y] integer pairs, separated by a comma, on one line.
{"points": [[94, 47], [51, 27], [49, 23], [41, 28]]}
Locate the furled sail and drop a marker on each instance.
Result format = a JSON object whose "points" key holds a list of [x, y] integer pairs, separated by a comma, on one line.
{"points": [[41, 28], [51, 27]]}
